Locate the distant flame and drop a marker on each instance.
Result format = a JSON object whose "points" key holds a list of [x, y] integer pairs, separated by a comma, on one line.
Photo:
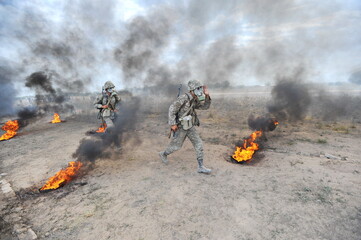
{"points": [[246, 151], [63, 176], [10, 127], [102, 128], [56, 118]]}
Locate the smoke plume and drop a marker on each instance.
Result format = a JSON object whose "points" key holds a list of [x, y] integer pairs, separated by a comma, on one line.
{"points": [[290, 100], [262, 123], [26, 115], [219, 43], [90, 150], [332, 107], [7, 92], [41, 81], [48, 99]]}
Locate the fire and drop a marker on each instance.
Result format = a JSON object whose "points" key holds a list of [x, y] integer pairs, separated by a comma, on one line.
{"points": [[10, 127], [246, 151], [63, 176], [56, 118], [102, 128]]}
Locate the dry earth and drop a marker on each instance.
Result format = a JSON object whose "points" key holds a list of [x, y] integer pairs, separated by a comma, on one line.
{"points": [[304, 184]]}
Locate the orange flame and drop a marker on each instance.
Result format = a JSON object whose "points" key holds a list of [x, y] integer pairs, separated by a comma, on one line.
{"points": [[102, 128], [56, 118], [246, 151], [10, 127], [63, 176]]}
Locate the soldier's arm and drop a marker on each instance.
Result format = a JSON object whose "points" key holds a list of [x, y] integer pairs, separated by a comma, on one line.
{"points": [[117, 100], [117, 97], [174, 109], [98, 102], [205, 105]]}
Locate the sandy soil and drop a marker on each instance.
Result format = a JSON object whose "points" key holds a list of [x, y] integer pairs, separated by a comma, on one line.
{"points": [[304, 184]]}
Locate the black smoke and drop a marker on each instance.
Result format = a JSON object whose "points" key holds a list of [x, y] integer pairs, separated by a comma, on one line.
{"points": [[140, 54], [41, 81], [262, 123], [290, 100], [26, 115], [7, 91], [332, 107], [47, 97], [90, 150], [220, 43]]}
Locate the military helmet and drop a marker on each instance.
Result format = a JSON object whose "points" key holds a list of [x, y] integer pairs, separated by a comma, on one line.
{"points": [[193, 84], [108, 84]]}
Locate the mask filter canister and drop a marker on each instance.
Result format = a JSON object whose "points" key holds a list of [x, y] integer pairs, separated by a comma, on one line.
{"points": [[199, 93]]}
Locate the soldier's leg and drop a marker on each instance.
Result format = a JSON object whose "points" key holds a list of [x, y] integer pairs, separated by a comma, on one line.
{"points": [[109, 122], [110, 129], [175, 144], [198, 147]]}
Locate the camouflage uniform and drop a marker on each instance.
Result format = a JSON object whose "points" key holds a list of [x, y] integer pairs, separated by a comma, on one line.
{"points": [[182, 105], [107, 115]]}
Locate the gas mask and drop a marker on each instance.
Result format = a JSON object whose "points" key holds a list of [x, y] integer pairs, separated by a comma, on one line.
{"points": [[199, 93], [109, 90], [104, 91]]}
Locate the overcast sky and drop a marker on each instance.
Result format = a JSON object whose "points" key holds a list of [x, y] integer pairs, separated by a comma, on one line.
{"points": [[151, 42]]}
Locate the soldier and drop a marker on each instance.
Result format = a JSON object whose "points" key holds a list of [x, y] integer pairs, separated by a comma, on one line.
{"points": [[182, 119], [106, 104]]}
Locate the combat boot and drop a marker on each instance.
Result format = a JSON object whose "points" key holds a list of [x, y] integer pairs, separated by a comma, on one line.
{"points": [[202, 168], [163, 157]]}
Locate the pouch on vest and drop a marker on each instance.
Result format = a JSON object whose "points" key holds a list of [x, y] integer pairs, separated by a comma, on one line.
{"points": [[186, 122], [195, 120], [106, 113]]}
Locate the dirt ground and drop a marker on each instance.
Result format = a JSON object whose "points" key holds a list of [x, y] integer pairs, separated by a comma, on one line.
{"points": [[305, 182]]}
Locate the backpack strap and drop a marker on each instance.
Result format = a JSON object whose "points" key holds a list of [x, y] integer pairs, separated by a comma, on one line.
{"points": [[190, 108]]}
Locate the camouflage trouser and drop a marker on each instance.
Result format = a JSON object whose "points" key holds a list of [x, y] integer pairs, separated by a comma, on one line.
{"points": [[178, 140], [109, 122]]}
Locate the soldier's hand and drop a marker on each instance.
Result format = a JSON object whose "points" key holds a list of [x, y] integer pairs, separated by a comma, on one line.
{"points": [[105, 106], [174, 128], [205, 90]]}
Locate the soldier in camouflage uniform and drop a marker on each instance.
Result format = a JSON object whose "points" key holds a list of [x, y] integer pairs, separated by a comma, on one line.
{"points": [[182, 119], [106, 103]]}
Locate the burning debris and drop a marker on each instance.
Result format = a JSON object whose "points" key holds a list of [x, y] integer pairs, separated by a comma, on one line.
{"points": [[102, 128], [245, 152], [56, 118], [290, 101], [11, 128], [249, 147], [62, 177], [91, 149], [48, 99], [264, 124]]}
